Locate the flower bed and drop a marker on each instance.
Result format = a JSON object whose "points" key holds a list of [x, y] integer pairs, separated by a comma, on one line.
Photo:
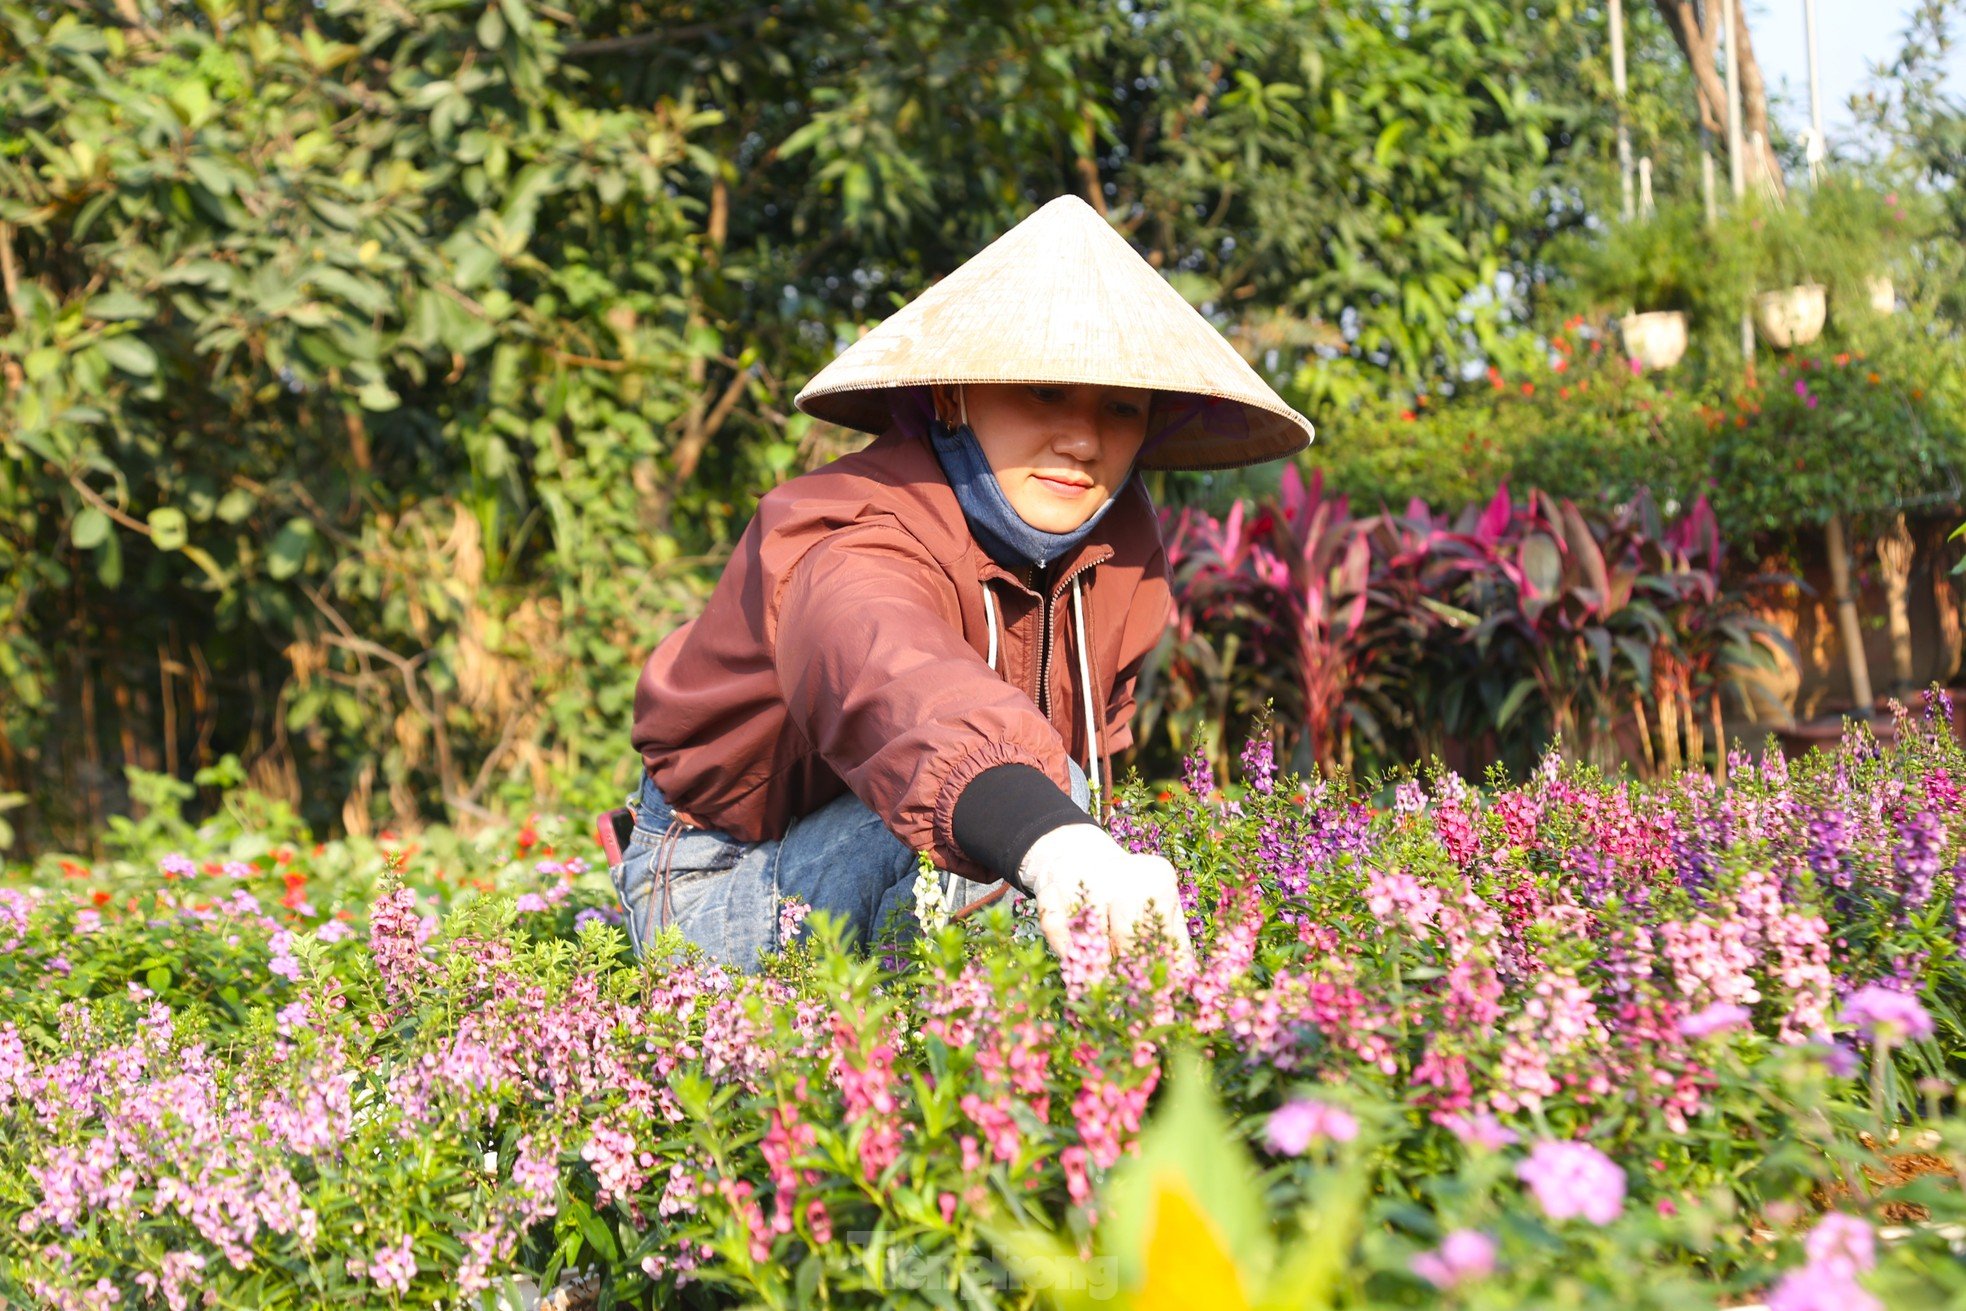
{"points": [[1566, 1043]]}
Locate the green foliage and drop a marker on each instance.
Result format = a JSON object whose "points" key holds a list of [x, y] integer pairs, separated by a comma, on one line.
{"points": [[348, 340], [1866, 421], [411, 364], [1665, 261]]}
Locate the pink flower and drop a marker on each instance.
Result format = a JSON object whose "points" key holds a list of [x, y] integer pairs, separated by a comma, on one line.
{"points": [[1574, 1179], [1841, 1244], [393, 1267], [1463, 1255], [1295, 1125], [1886, 1015], [1401, 898], [1716, 1018], [1481, 1129], [1810, 1289], [792, 912]]}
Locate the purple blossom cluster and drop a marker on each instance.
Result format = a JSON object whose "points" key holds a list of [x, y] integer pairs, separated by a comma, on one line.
{"points": [[1553, 983]]}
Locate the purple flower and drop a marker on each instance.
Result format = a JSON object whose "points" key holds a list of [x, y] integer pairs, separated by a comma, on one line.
{"points": [[1838, 1059], [1295, 1125], [1714, 1019], [1918, 859], [1409, 798], [1259, 764], [530, 903], [1197, 774], [1886, 1015], [1838, 1249], [1574, 1179], [1463, 1255], [177, 865]]}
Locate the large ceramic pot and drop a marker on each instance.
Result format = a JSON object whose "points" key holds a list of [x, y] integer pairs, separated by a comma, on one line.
{"points": [[1792, 316], [1883, 294], [1656, 339]]}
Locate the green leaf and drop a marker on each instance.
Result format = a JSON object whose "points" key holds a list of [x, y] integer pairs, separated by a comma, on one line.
{"points": [[235, 505], [1513, 701], [157, 978], [41, 362], [109, 562], [89, 529], [377, 396], [288, 550], [210, 174], [474, 267], [130, 354], [115, 305], [168, 529], [192, 100], [1190, 1140]]}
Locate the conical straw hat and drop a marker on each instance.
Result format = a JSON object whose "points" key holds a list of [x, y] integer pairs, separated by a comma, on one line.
{"points": [[1061, 298]]}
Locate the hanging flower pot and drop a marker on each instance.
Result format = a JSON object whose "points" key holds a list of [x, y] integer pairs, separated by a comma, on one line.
{"points": [[1654, 340], [1883, 293], [1792, 316]]}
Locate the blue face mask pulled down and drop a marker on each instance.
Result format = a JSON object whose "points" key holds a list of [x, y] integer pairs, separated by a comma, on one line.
{"points": [[998, 528]]}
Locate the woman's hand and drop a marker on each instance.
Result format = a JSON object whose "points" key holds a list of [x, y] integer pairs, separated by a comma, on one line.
{"points": [[1124, 892]]}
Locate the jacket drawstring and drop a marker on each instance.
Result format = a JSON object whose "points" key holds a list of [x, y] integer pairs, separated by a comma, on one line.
{"points": [[1094, 747], [1095, 743], [990, 614]]}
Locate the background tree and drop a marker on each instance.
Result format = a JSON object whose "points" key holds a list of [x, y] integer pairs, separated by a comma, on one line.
{"points": [[1696, 25], [380, 382]]}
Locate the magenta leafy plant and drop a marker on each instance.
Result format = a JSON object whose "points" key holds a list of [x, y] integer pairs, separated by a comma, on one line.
{"points": [[1615, 634]]}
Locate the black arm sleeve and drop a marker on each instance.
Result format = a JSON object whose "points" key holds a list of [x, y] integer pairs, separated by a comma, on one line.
{"points": [[1005, 809]]}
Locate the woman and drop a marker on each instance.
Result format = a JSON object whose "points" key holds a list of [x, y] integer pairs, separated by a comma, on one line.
{"points": [[914, 648]]}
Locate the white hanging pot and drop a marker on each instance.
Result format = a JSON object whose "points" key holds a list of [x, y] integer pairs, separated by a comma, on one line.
{"points": [[1792, 316], [1883, 294], [1654, 340]]}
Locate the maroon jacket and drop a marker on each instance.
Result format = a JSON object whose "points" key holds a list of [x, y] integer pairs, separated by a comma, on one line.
{"points": [[844, 649]]}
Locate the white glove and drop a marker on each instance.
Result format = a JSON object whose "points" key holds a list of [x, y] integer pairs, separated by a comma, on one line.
{"points": [[1082, 862]]}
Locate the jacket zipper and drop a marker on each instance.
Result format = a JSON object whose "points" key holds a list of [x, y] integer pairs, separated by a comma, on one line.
{"points": [[1043, 697]]}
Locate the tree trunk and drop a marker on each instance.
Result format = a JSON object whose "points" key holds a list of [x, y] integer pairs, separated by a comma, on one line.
{"points": [[1696, 28], [1894, 554], [1846, 617]]}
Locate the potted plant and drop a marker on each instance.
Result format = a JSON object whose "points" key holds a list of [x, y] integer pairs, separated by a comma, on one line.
{"points": [[1786, 250], [1861, 233], [1657, 275]]}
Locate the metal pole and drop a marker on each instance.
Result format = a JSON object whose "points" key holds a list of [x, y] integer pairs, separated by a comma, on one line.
{"points": [[1618, 87], [1820, 146], [1736, 154], [1736, 161], [1706, 178]]}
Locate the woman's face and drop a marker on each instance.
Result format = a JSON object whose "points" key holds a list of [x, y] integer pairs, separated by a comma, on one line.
{"points": [[1059, 450]]}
